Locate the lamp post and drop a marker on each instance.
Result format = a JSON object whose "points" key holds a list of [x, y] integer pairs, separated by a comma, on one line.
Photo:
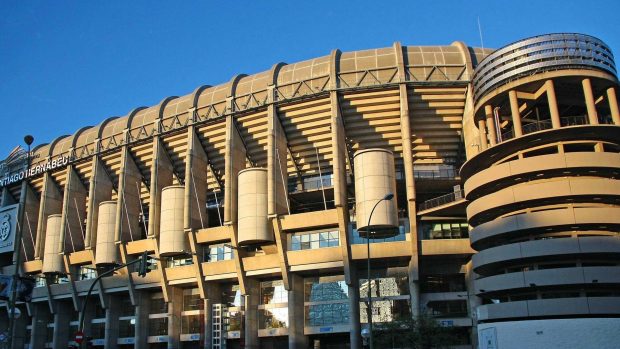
{"points": [[17, 256], [387, 197]]}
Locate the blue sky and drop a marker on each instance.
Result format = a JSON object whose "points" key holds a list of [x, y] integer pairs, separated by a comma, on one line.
{"points": [[68, 64]]}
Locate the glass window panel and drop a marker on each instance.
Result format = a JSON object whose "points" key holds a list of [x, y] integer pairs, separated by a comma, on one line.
{"points": [[191, 324], [158, 326], [273, 318]]}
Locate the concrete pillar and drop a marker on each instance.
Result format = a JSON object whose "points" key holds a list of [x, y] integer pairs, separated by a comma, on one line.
{"points": [[175, 307], [6, 198], [40, 318], [20, 327], [589, 99], [354, 305], [488, 113], [553, 105], [128, 202], [73, 213], [214, 296], [414, 293], [111, 322], [482, 128], [252, 300], [100, 190], [613, 105], [196, 166], [296, 337], [161, 177], [61, 326], [142, 320], [516, 115], [51, 203]]}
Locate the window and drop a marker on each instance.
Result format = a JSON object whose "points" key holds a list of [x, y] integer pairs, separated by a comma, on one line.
{"points": [[220, 252], [179, 261], [97, 329], [126, 327], [231, 296], [157, 305], [389, 289], [192, 301], [272, 318], [444, 230], [326, 301], [87, 272], [434, 283], [309, 241], [273, 308], [158, 326], [273, 292], [126, 308], [454, 308], [191, 324]]}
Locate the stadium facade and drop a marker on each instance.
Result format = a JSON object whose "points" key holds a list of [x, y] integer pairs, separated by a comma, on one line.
{"points": [[255, 198]]}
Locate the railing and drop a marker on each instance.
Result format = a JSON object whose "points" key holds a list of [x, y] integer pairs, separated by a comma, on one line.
{"points": [[435, 174], [565, 121], [539, 54], [442, 200]]}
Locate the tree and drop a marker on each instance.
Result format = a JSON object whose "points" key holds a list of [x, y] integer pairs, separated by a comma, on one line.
{"points": [[420, 332]]}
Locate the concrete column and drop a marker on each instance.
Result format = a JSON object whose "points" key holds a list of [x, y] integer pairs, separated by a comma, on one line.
{"points": [[516, 115], [410, 185], [482, 128], [553, 104], [252, 300], [61, 326], [20, 327], [51, 203], [175, 307], [40, 318], [414, 293], [111, 322], [354, 306], [161, 177], [6, 198], [589, 98], [613, 105], [73, 213], [128, 201], [296, 337], [488, 113], [214, 296], [142, 320], [31, 213], [100, 189]]}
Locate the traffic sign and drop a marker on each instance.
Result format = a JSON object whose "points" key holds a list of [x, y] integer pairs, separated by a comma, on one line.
{"points": [[79, 337]]}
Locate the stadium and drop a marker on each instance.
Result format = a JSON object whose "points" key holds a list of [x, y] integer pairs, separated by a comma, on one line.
{"points": [[477, 186]]}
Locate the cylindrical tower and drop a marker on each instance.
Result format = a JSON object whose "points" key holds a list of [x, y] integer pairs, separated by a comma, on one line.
{"points": [[375, 177], [172, 240], [253, 225], [544, 190], [52, 259], [106, 252]]}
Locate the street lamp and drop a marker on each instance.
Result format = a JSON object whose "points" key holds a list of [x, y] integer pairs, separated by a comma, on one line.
{"points": [[387, 197], [28, 139]]}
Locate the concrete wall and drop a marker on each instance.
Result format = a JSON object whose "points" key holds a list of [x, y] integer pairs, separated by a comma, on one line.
{"points": [[600, 333]]}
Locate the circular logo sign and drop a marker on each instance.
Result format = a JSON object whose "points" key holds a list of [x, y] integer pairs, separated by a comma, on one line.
{"points": [[5, 227]]}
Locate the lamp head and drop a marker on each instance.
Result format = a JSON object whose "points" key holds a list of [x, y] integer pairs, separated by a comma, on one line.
{"points": [[28, 139], [388, 196]]}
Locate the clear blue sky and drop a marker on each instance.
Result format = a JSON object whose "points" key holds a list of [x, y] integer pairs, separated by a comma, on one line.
{"points": [[64, 65]]}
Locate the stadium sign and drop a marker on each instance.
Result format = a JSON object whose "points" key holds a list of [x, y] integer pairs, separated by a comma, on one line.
{"points": [[33, 171]]}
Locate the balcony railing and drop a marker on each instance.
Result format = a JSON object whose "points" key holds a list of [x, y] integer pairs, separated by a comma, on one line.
{"points": [[574, 120], [436, 174], [442, 200]]}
